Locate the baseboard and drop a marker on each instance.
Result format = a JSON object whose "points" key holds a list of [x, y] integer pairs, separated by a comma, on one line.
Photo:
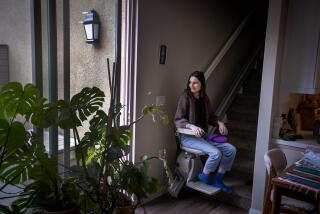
{"points": [[254, 211]]}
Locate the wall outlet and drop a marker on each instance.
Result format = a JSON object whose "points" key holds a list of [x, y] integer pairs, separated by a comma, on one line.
{"points": [[160, 100]]}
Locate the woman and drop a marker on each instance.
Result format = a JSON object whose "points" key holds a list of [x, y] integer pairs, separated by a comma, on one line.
{"points": [[194, 112]]}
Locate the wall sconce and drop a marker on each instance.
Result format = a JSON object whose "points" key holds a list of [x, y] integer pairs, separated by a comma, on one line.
{"points": [[91, 24]]}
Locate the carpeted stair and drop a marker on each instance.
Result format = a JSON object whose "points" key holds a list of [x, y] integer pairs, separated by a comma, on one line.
{"points": [[242, 125]]}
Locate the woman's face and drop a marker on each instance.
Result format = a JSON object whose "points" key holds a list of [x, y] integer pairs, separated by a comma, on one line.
{"points": [[194, 85]]}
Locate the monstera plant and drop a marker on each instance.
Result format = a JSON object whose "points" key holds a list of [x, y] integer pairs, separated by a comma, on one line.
{"points": [[102, 179], [23, 159]]}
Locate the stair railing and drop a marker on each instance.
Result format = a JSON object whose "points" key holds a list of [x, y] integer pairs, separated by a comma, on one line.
{"points": [[226, 46], [237, 82]]}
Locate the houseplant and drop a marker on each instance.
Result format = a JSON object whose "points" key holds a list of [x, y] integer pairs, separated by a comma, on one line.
{"points": [[24, 159], [106, 177], [102, 179]]}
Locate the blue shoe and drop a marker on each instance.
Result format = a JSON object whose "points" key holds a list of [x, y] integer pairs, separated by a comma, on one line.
{"points": [[205, 178], [222, 186], [218, 183]]}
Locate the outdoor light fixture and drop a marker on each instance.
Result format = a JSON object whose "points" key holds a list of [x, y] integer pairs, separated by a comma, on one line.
{"points": [[91, 24]]}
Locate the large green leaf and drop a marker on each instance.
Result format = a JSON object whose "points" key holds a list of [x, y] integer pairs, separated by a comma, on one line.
{"points": [[99, 120], [27, 101], [45, 169], [43, 114], [67, 116], [18, 100], [19, 154], [17, 137], [13, 210], [5, 209], [28, 161], [4, 127], [2, 112], [15, 167], [89, 141], [121, 135], [88, 101]]}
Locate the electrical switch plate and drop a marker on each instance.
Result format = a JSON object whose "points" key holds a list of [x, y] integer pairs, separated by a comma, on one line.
{"points": [[160, 100]]}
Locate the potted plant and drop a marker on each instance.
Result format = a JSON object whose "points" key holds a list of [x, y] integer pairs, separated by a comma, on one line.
{"points": [[102, 179], [107, 178], [23, 159]]}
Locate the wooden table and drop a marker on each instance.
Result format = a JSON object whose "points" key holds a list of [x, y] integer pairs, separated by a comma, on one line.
{"points": [[300, 192]]}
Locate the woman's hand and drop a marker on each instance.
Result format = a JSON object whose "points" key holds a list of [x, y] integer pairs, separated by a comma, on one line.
{"points": [[222, 128], [198, 132]]}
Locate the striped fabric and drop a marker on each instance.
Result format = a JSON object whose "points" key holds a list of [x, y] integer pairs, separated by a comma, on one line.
{"points": [[302, 177]]}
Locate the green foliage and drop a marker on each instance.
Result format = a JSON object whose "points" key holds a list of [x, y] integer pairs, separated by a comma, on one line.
{"points": [[135, 179], [23, 159], [154, 110], [105, 174], [18, 100], [101, 179]]}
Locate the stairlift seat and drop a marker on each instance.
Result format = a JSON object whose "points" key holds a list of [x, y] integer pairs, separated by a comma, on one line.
{"points": [[193, 151], [189, 165]]}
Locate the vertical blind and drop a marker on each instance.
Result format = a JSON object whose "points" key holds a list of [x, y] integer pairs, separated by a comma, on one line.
{"points": [[4, 64]]}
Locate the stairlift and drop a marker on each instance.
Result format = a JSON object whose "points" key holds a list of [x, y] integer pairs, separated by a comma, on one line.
{"points": [[189, 165]]}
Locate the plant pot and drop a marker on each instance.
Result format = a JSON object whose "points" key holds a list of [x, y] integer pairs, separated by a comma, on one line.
{"points": [[123, 210], [74, 210]]}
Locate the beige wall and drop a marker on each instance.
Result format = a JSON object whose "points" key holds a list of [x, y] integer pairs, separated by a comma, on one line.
{"points": [[194, 32], [15, 32], [238, 56], [89, 62]]}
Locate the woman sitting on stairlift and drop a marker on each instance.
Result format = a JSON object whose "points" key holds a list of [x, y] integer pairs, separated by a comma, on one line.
{"points": [[194, 112]]}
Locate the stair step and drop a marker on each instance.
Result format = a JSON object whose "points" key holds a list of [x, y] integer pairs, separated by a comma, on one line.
{"points": [[252, 111], [242, 114], [252, 87], [255, 75], [243, 166], [247, 100], [247, 154], [236, 134], [245, 148], [241, 192], [242, 141], [242, 126]]}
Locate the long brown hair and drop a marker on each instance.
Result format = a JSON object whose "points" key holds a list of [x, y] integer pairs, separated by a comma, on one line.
{"points": [[200, 76]]}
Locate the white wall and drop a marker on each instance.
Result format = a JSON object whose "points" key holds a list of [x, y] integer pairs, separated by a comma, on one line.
{"points": [[194, 32], [268, 97]]}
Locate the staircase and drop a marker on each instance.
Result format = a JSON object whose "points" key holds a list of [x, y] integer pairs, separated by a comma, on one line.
{"points": [[242, 125]]}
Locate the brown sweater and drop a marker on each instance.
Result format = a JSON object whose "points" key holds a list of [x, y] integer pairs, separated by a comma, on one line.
{"points": [[186, 112]]}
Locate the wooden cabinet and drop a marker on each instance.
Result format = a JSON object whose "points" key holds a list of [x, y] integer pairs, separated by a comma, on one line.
{"points": [[300, 68]]}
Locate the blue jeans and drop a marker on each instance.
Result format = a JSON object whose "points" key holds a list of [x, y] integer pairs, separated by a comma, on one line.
{"points": [[219, 153]]}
